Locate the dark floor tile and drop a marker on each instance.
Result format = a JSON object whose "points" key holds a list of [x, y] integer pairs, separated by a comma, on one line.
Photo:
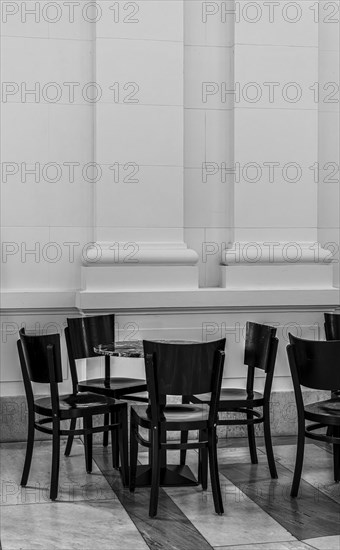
{"points": [[310, 515]]}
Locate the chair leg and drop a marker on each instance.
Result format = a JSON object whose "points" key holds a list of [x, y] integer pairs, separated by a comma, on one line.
{"points": [[123, 445], [268, 442], [155, 473], [55, 459], [203, 462], [133, 454], [184, 438], [331, 429], [162, 452], [215, 481], [29, 450], [251, 440], [336, 462], [298, 462], [114, 439], [88, 443], [183, 452], [106, 434], [336, 455], [70, 438]]}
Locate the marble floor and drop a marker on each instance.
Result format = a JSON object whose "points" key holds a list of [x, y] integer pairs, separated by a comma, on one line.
{"points": [[93, 511]]}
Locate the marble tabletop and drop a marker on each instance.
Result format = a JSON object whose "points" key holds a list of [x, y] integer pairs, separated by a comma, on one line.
{"points": [[125, 348], [131, 348]]}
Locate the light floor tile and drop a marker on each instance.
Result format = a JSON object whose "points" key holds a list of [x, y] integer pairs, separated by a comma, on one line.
{"points": [[236, 454], [294, 545], [325, 543], [98, 525], [74, 483]]}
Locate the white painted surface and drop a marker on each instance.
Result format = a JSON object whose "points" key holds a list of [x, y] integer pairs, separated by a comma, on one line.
{"points": [[48, 225]]}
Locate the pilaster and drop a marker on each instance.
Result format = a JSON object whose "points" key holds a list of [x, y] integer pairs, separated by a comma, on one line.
{"points": [[138, 200], [276, 242]]}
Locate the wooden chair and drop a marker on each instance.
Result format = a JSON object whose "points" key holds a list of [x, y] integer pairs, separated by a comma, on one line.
{"points": [[332, 326], [40, 360], [259, 353], [332, 331], [315, 364], [82, 334], [181, 369]]}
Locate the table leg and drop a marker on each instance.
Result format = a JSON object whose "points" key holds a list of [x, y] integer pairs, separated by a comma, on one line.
{"points": [[106, 418], [171, 475]]}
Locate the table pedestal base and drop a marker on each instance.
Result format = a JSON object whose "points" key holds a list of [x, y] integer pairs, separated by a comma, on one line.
{"points": [[171, 476]]}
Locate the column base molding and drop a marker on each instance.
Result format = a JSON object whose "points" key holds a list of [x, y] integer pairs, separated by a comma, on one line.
{"points": [[134, 253], [275, 265], [141, 266]]}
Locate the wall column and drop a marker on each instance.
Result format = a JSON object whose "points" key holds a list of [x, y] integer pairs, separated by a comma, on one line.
{"points": [[275, 243], [329, 132], [208, 132], [138, 196]]}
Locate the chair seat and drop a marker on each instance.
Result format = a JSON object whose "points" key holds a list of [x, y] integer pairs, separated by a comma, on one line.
{"points": [[231, 397], [326, 412], [138, 396], [117, 387], [77, 405], [177, 413]]}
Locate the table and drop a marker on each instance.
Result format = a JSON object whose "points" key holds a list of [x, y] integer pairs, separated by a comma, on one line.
{"points": [[115, 387], [170, 475]]}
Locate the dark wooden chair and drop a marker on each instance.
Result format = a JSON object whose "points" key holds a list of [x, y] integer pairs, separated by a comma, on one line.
{"points": [[40, 360], [259, 353], [82, 334], [332, 326], [332, 332], [315, 364], [181, 369]]}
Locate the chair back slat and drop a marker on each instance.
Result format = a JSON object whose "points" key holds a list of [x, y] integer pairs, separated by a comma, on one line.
{"points": [[332, 326], [258, 344], [183, 368], [26, 378], [317, 362], [36, 356], [72, 362], [87, 332]]}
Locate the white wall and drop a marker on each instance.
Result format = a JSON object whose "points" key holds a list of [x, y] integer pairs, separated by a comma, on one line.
{"points": [[168, 53], [42, 50], [168, 134], [276, 60], [139, 124], [329, 130]]}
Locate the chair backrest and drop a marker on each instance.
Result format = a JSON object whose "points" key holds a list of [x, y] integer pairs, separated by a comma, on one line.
{"points": [[183, 369], [258, 345], [39, 355], [87, 332], [332, 326], [314, 363]]}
